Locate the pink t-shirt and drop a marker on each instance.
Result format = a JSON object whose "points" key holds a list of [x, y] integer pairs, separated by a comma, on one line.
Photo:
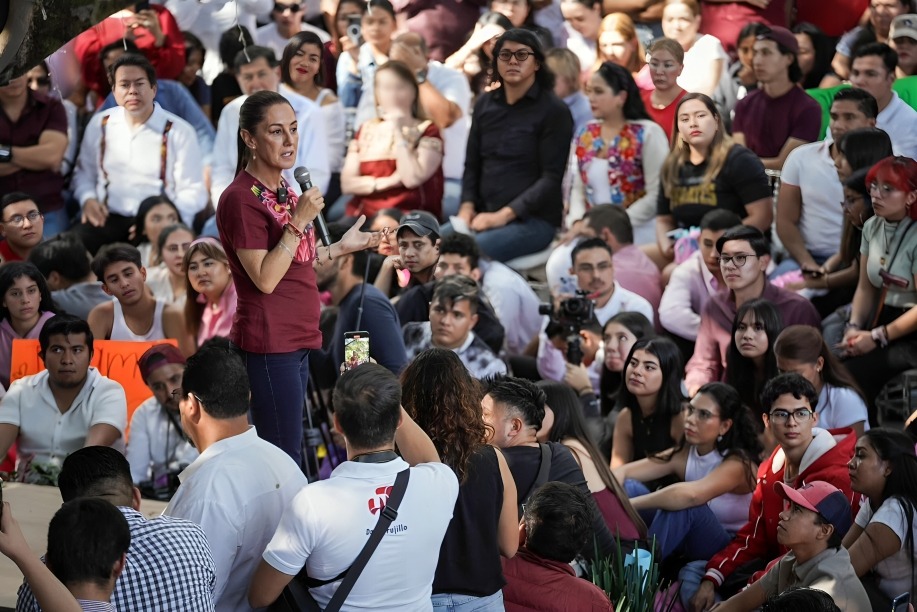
{"points": [[218, 321], [286, 319]]}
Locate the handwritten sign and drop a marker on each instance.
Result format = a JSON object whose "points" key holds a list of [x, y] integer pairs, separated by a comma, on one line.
{"points": [[116, 359]]}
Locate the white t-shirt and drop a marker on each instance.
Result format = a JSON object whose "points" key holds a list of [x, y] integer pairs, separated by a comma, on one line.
{"points": [[329, 521], [894, 571], [706, 50], [898, 120], [811, 168], [840, 407]]}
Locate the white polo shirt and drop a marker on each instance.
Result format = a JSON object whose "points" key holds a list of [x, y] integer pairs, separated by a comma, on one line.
{"points": [[49, 435], [811, 168], [330, 520]]}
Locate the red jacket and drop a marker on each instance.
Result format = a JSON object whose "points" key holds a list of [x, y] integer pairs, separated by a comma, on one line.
{"points": [[168, 60], [825, 459], [536, 583]]}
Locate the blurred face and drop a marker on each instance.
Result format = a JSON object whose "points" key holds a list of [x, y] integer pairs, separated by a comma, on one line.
{"points": [[287, 15], [751, 337], [869, 73], [450, 323], [604, 102], [22, 300], [890, 202], [193, 63], [855, 207], [417, 252], [696, 124], [797, 526], [163, 381], [515, 71], [906, 47], [378, 27], [768, 63], [305, 64], [806, 54], [868, 472], [595, 273], [710, 255], [746, 50], [174, 249], [22, 224], [618, 342], [615, 48], [664, 69], [67, 360], [583, 19], [125, 282], [810, 371], [883, 12], [680, 23], [703, 423], [345, 11], [258, 76], [388, 246], [393, 92], [453, 263], [276, 138], [846, 116], [133, 91], [738, 277], [794, 432], [16, 88], [208, 276], [643, 375], [517, 11], [158, 218], [38, 80]]}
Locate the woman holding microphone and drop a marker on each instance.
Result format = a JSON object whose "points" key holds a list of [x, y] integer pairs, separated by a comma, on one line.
{"points": [[267, 233]]}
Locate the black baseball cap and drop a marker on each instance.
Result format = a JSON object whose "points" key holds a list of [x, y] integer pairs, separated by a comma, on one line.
{"points": [[420, 222]]}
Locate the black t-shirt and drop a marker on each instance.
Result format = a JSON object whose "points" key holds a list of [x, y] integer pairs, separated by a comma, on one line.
{"points": [[741, 181], [469, 558], [524, 462]]}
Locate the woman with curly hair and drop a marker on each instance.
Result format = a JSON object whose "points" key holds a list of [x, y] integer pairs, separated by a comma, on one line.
{"points": [[445, 401]]}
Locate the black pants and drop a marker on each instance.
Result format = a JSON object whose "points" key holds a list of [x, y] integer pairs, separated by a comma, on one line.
{"points": [[116, 229]]}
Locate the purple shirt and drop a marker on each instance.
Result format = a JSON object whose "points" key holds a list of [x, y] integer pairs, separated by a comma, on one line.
{"points": [[768, 123]]}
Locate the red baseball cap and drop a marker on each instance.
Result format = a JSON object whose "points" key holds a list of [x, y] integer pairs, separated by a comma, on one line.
{"points": [[822, 498]]}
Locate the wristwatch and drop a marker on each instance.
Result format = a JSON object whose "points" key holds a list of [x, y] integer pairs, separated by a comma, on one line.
{"points": [[421, 76], [6, 154]]}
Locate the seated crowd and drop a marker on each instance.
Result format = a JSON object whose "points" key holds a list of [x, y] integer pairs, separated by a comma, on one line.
{"points": [[609, 310]]}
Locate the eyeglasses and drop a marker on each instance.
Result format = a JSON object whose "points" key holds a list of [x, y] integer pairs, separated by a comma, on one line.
{"points": [[800, 416], [885, 188], [281, 8], [179, 393], [521, 55], [702, 414], [19, 220], [737, 260], [175, 248]]}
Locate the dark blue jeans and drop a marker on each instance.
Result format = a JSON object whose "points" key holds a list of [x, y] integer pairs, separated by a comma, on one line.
{"points": [[279, 382], [518, 238]]}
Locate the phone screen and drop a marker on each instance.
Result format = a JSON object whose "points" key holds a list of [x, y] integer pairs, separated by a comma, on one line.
{"points": [[356, 349]]}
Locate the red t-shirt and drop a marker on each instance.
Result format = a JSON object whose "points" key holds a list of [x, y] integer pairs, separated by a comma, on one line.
{"points": [[726, 20], [843, 16], [285, 320], [665, 117]]}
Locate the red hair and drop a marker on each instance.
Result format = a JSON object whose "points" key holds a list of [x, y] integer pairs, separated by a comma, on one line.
{"points": [[898, 171]]}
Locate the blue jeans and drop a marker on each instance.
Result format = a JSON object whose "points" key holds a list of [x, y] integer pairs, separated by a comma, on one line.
{"points": [[691, 576], [453, 602], [518, 238], [279, 382], [56, 222], [635, 488], [452, 198], [694, 532]]}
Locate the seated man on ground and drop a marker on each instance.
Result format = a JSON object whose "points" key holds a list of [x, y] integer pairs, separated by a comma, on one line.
{"points": [[327, 523], [453, 312], [556, 525], [65, 263], [418, 239], [812, 527], [169, 565], [134, 314], [63, 408], [21, 226]]}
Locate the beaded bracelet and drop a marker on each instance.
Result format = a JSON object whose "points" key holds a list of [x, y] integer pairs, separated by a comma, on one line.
{"points": [[294, 230]]}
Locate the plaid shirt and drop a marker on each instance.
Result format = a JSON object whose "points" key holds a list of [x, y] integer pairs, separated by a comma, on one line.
{"points": [[169, 567]]}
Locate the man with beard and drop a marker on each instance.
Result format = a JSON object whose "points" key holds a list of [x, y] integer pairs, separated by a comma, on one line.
{"points": [[68, 406], [158, 445]]}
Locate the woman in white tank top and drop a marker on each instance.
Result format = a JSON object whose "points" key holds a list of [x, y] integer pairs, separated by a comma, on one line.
{"points": [[716, 461]]}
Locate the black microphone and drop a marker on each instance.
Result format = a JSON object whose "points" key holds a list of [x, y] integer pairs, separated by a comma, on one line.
{"points": [[304, 179]]}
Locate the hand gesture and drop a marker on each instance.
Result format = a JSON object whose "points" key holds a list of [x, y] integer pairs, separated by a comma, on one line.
{"points": [[149, 20], [346, 44], [482, 35], [355, 240], [12, 543], [704, 598], [94, 213], [577, 376]]}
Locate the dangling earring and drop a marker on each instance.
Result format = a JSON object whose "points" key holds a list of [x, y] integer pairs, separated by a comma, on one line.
{"points": [[719, 438]]}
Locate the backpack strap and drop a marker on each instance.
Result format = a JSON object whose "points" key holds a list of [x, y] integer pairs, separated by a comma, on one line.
{"points": [[544, 470]]}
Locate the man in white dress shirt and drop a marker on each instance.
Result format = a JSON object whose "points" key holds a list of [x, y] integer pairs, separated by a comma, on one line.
{"points": [[240, 486], [131, 152], [257, 70]]}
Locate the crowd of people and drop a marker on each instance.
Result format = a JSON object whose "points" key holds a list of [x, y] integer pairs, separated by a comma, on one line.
{"points": [[633, 276]]}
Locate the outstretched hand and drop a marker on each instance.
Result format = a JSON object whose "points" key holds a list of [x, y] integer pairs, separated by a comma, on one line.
{"points": [[354, 239]]}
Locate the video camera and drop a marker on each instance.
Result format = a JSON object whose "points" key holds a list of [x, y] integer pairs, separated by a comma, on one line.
{"points": [[571, 316]]}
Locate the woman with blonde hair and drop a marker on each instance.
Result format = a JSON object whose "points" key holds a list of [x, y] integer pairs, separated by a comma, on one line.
{"points": [[211, 294], [706, 169], [619, 44]]}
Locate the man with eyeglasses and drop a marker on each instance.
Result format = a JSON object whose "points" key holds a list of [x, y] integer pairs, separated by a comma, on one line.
{"points": [[21, 224], [158, 447], [287, 21], [744, 257], [517, 154], [805, 453]]}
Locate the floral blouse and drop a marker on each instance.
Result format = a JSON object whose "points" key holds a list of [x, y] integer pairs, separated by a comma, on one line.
{"points": [[617, 176]]}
